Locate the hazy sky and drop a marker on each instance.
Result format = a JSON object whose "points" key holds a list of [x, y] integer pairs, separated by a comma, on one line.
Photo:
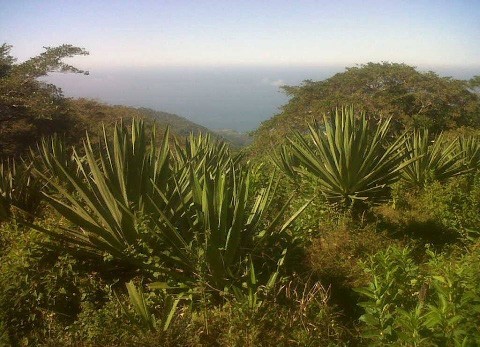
{"points": [[165, 33]]}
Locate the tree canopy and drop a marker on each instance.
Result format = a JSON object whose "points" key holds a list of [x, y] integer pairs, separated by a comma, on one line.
{"points": [[30, 108], [412, 98]]}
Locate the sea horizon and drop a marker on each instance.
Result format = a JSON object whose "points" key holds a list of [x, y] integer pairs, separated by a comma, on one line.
{"points": [[217, 97]]}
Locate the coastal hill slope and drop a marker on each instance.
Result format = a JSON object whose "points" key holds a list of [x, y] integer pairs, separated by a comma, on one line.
{"points": [[91, 114], [412, 98]]}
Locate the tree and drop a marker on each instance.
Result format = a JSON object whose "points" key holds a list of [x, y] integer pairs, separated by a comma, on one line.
{"points": [[475, 83], [411, 98], [30, 108]]}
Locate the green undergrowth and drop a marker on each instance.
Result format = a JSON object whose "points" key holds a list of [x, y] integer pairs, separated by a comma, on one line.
{"points": [[196, 246]]}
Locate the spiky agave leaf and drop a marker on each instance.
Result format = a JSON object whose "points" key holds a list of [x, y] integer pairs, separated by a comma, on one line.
{"points": [[206, 151], [436, 159], [350, 159], [19, 188], [196, 209], [110, 191], [286, 162], [49, 148], [140, 306], [143, 311], [469, 149]]}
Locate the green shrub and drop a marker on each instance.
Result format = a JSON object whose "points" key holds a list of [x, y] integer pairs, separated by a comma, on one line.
{"points": [[42, 289], [37, 286], [437, 304], [103, 326], [394, 282], [440, 214], [455, 204]]}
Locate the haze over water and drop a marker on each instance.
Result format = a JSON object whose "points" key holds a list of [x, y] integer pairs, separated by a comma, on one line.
{"points": [[238, 98], [220, 63]]}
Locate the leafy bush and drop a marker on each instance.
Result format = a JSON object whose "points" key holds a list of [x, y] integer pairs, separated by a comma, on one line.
{"points": [[440, 214], [431, 306], [393, 287], [37, 286], [454, 204], [104, 325]]}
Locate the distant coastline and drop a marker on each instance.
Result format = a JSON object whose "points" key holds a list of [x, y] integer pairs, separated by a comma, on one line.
{"points": [[237, 98]]}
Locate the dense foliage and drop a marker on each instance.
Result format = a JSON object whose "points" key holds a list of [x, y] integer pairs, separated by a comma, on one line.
{"points": [[30, 108], [137, 237], [435, 306], [383, 90], [187, 244]]}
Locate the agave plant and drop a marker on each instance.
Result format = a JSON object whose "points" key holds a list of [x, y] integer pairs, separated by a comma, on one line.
{"points": [[110, 186], [469, 149], [227, 227], [205, 151], [18, 189], [178, 218], [143, 313], [435, 159], [350, 159], [49, 151]]}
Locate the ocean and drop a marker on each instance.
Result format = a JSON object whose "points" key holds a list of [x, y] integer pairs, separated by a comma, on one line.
{"points": [[237, 98]]}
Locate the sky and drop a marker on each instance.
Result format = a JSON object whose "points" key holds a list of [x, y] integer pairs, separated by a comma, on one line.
{"points": [[249, 32]]}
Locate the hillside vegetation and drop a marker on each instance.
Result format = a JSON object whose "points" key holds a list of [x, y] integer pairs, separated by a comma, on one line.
{"points": [[359, 229], [234, 137], [412, 98], [30, 108], [91, 115]]}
